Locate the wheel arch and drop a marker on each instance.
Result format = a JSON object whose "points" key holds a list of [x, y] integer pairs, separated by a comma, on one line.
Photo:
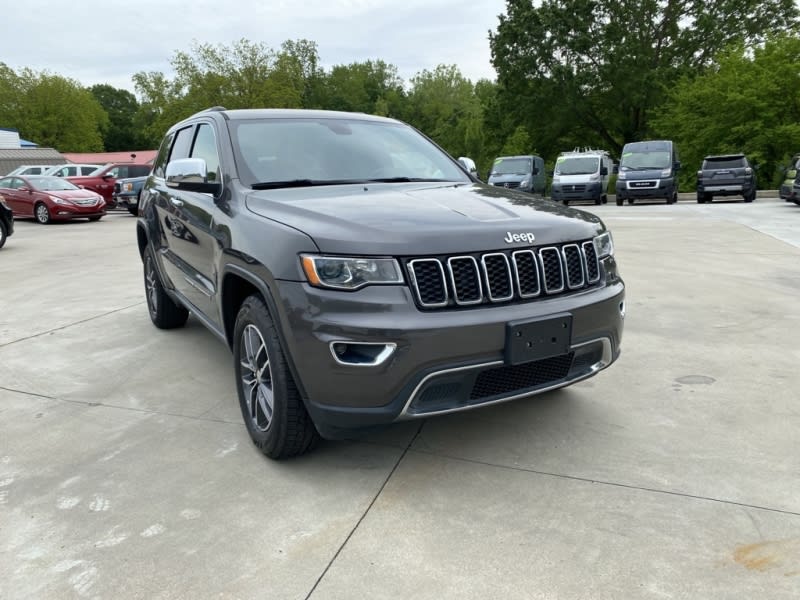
{"points": [[237, 284]]}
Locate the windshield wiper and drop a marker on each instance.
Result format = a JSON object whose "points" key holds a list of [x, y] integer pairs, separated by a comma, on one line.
{"points": [[400, 180], [293, 183]]}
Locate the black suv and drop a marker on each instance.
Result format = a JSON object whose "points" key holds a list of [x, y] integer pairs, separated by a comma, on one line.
{"points": [[726, 175], [361, 276], [6, 221]]}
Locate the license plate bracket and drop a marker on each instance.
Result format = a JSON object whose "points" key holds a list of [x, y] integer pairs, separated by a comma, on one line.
{"points": [[536, 339]]}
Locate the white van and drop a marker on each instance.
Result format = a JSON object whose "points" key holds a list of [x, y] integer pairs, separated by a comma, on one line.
{"points": [[582, 175]]}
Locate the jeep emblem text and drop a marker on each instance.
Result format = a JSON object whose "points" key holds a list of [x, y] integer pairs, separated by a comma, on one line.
{"points": [[518, 237]]}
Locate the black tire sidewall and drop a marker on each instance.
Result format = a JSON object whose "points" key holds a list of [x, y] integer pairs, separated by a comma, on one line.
{"points": [[254, 312], [3, 233]]}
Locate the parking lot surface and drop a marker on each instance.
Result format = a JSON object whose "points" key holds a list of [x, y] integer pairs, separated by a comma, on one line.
{"points": [[126, 471]]}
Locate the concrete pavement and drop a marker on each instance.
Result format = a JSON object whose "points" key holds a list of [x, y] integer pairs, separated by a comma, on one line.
{"points": [[126, 471]]}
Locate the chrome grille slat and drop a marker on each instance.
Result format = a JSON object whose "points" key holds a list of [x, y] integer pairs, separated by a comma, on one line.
{"points": [[466, 280], [503, 276], [574, 268], [497, 271], [552, 270], [427, 277]]}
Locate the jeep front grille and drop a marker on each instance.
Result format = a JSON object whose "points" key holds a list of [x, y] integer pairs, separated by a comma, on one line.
{"points": [[503, 276]]}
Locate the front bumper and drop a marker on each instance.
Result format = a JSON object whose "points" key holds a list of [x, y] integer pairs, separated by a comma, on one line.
{"points": [[126, 199], [578, 191], [59, 212], [656, 188], [441, 361]]}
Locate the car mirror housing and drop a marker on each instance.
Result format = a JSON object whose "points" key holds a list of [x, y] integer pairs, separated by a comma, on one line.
{"points": [[191, 175]]}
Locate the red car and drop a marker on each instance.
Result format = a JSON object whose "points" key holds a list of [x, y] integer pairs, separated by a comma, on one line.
{"points": [[103, 179], [50, 199]]}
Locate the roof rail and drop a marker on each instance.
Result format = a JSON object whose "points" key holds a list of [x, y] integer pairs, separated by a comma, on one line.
{"points": [[215, 109]]}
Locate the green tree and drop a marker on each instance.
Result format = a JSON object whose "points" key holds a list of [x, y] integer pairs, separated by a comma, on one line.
{"points": [[442, 103], [594, 71], [51, 110], [749, 102], [371, 87], [121, 107]]}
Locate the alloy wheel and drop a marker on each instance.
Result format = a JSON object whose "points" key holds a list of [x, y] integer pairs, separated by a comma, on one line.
{"points": [[256, 376], [151, 285]]}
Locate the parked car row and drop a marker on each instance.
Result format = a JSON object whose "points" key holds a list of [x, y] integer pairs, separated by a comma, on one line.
{"points": [[647, 170]]}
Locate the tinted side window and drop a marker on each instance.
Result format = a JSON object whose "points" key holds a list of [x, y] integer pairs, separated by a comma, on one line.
{"points": [[183, 141], [87, 170], [205, 147], [161, 160], [138, 170]]}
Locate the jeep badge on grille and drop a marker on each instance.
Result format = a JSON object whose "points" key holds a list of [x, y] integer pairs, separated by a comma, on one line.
{"points": [[518, 237]]}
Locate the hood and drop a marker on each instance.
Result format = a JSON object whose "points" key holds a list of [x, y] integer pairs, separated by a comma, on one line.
{"points": [[73, 194], [508, 177], [421, 219], [578, 178], [649, 174]]}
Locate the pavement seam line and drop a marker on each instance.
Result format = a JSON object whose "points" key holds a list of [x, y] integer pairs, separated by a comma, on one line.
{"points": [[607, 483], [86, 320], [117, 407], [366, 512]]}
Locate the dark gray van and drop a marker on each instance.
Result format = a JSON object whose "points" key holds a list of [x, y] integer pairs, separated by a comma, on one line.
{"points": [[648, 170], [525, 173]]}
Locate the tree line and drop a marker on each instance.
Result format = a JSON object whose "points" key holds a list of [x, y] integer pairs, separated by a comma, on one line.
{"points": [[713, 77]]}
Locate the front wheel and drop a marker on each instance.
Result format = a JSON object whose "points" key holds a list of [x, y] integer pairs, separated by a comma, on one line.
{"points": [[93, 219], [619, 201], [42, 213], [565, 202], [630, 200], [750, 197], [272, 408], [164, 312]]}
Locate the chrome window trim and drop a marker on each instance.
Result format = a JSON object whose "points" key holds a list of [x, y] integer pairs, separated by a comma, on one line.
{"points": [[453, 281], [488, 284], [516, 273], [413, 277]]}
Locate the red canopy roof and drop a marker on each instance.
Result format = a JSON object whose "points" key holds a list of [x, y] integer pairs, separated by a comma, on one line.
{"points": [[139, 157]]}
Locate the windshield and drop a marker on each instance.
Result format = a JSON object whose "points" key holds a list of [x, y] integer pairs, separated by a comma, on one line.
{"points": [[309, 151], [577, 165], [52, 184], [645, 160], [512, 166]]}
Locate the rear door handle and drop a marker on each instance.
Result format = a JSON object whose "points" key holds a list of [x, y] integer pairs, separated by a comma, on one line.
{"points": [[176, 202]]}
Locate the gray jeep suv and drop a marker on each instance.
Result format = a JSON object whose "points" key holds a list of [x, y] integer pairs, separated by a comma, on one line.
{"points": [[361, 276]]}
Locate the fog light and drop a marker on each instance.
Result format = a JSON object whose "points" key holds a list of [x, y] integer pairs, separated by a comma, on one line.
{"points": [[361, 354]]}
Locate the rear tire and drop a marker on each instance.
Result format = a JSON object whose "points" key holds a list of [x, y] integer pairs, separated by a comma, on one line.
{"points": [[3, 233], [164, 312], [272, 409]]}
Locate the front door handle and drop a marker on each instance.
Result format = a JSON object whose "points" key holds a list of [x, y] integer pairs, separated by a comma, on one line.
{"points": [[176, 202]]}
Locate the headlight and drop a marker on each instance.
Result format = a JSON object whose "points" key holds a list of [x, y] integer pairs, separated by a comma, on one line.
{"points": [[594, 177], [525, 182], [61, 201], [604, 245], [666, 173], [127, 187], [622, 175], [350, 273], [556, 178]]}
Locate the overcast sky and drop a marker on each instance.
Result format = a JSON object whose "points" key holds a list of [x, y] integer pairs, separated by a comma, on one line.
{"points": [[96, 41]]}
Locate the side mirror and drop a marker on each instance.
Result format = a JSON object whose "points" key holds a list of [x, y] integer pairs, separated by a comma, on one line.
{"points": [[603, 170], [535, 171], [191, 175], [791, 173], [24, 188], [676, 165]]}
